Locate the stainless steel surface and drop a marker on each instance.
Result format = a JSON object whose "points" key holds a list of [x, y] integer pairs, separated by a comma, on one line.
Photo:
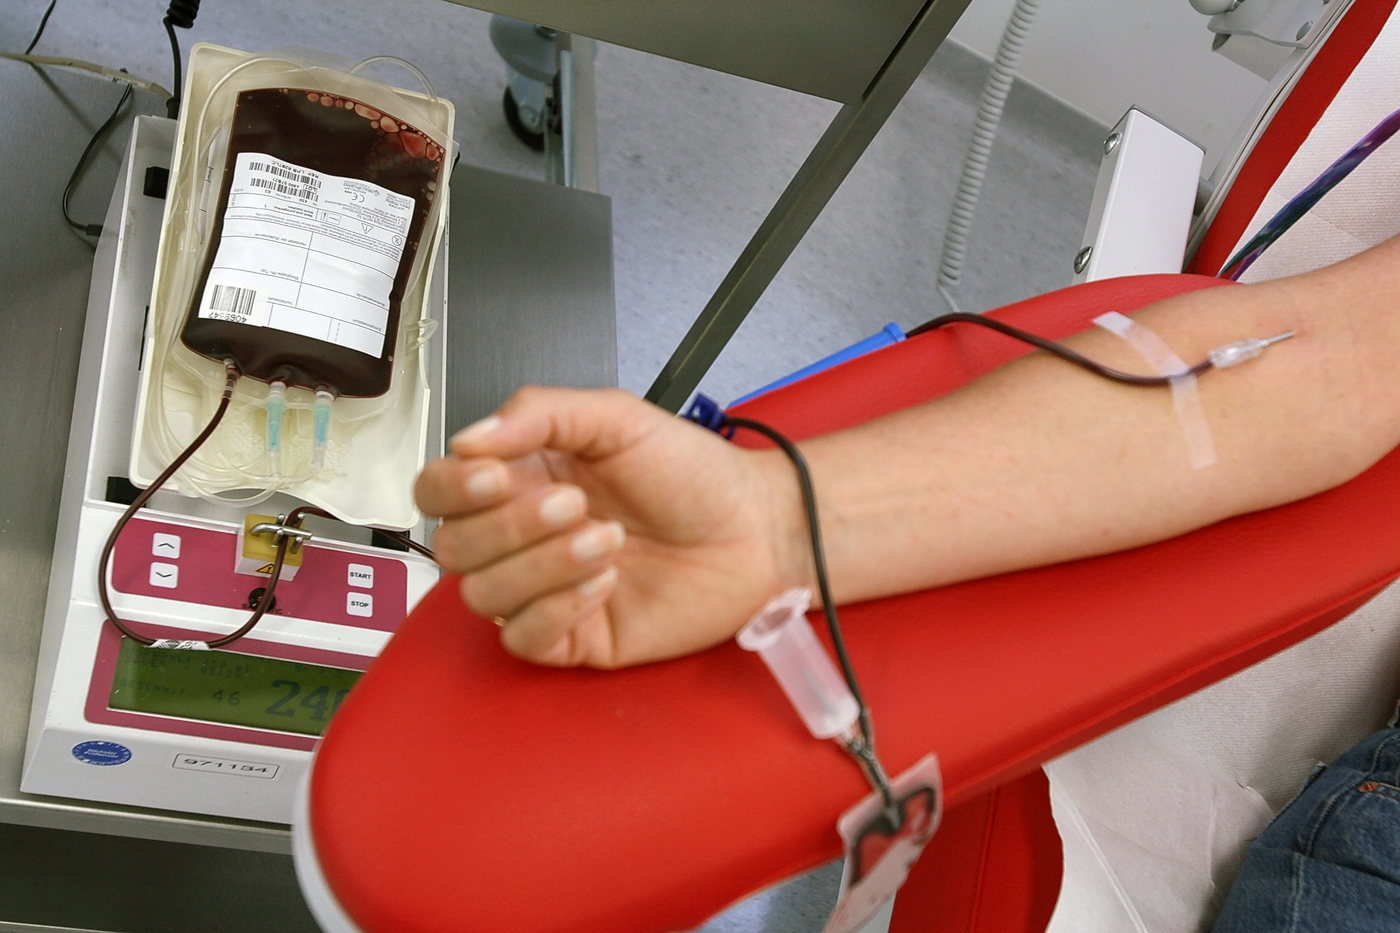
{"points": [[46, 120], [51, 879], [829, 48], [537, 310], [806, 195], [530, 291]]}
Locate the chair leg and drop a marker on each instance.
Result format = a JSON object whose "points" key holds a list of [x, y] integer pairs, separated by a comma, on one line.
{"points": [[993, 866]]}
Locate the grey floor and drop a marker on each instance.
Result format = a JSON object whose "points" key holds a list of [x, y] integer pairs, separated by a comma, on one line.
{"points": [[693, 160]]}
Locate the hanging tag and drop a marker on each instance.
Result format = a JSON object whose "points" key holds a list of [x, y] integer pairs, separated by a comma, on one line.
{"points": [[878, 860]]}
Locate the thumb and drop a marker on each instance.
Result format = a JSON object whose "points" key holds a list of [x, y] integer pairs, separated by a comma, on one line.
{"points": [[589, 423]]}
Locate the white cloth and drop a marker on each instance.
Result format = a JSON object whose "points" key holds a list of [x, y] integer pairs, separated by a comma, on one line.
{"points": [[1155, 817]]}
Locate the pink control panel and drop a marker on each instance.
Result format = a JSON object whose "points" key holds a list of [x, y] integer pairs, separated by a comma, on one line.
{"points": [[195, 565]]}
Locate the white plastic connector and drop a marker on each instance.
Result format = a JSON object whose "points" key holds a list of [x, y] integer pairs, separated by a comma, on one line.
{"points": [[1232, 354], [779, 632], [321, 419], [276, 406]]}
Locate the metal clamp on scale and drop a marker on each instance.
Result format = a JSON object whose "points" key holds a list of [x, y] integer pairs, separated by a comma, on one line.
{"points": [[226, 732]]}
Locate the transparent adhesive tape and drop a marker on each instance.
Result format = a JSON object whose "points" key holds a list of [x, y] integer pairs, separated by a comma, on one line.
{"points": [[377, 444], [1185, 396]]}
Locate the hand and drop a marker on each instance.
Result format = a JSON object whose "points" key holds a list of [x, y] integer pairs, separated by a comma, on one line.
{"points": [[608, 532]]}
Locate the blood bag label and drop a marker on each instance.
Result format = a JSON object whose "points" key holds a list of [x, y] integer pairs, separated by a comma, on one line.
{"points": [[307, 253], [879, 856]]}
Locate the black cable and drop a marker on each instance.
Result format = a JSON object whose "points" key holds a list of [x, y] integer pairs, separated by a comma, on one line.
{"points": [[180, 13], [264, 602], [863, 747], [42, 23], [707, 414], [91, 229], [284, 544], [172, 106], [230, 379], [1058, 349]]}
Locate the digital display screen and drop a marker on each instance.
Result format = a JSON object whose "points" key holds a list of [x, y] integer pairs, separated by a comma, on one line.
{"points": [[224, 687]]}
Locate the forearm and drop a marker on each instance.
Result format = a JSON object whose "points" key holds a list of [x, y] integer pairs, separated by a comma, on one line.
{"points": [[1041, 462]]}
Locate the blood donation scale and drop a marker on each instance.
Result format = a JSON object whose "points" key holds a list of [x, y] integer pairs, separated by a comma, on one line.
{"points": [[227, 732]]}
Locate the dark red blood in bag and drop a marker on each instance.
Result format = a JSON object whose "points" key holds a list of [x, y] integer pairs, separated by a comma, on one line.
{"points": [[335, 136]]}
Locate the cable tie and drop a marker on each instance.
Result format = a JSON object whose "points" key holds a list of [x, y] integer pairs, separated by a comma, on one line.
{"points": [[705, 412], [187, 644], [1185, 396]]}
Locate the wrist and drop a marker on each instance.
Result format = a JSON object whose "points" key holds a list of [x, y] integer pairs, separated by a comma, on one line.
{"points": [[787, 534]]}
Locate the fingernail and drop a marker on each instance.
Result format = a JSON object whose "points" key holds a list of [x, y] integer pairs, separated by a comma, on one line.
{"points": [[597, 541], [488, 482], [562, 507], [476, 430], [595, 585]]}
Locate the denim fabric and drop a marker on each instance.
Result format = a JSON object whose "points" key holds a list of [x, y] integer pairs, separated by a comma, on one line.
{"points": [[1330, 862]]}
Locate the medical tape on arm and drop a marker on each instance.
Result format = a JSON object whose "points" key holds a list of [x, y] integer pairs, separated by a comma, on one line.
{"points": [[1186, 398]]}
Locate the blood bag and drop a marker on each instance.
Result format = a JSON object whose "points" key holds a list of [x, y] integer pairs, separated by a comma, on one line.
{"points": [[322, 206], [304, 216]]}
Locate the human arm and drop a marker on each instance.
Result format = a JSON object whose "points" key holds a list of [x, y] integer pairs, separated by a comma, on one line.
{"points": [[1033, 464]]}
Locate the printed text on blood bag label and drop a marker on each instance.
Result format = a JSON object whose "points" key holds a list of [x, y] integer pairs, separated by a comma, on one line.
{"points": [[308, 253]]}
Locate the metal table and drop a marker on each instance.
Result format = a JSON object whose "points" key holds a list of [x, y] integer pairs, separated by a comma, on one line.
{"points": [[863, 54], [530, 299], [519, 281]]}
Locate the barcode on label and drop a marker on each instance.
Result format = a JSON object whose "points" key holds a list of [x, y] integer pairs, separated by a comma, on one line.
{"points": [[272, 184], [297, 177], [237, 303]]}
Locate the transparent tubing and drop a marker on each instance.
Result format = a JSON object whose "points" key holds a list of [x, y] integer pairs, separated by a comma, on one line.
{"points": [[201, 476], [984, 133], [406, 65]]}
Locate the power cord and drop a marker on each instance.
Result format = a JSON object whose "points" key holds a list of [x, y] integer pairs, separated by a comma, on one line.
{"points": [[40, 31], [180, 13], [90, 229]]}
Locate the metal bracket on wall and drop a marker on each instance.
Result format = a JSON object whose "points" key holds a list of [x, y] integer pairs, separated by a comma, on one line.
{"points": [[835, 154]]}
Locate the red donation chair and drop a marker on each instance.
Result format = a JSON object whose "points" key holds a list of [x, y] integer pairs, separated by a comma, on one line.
{"points": [[459, 789]]}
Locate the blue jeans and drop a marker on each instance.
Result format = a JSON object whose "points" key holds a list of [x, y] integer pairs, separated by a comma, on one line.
{"points": [[1330, 862]]}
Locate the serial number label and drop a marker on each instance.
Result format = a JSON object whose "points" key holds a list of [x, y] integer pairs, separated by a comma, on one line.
{"points": [[250, 769]]}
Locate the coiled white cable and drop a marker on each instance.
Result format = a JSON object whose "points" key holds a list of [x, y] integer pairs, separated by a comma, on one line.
{"points": [[984, 133]]}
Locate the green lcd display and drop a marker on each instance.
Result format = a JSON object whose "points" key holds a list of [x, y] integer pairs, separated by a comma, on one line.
{"points": [[220, 686]]}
